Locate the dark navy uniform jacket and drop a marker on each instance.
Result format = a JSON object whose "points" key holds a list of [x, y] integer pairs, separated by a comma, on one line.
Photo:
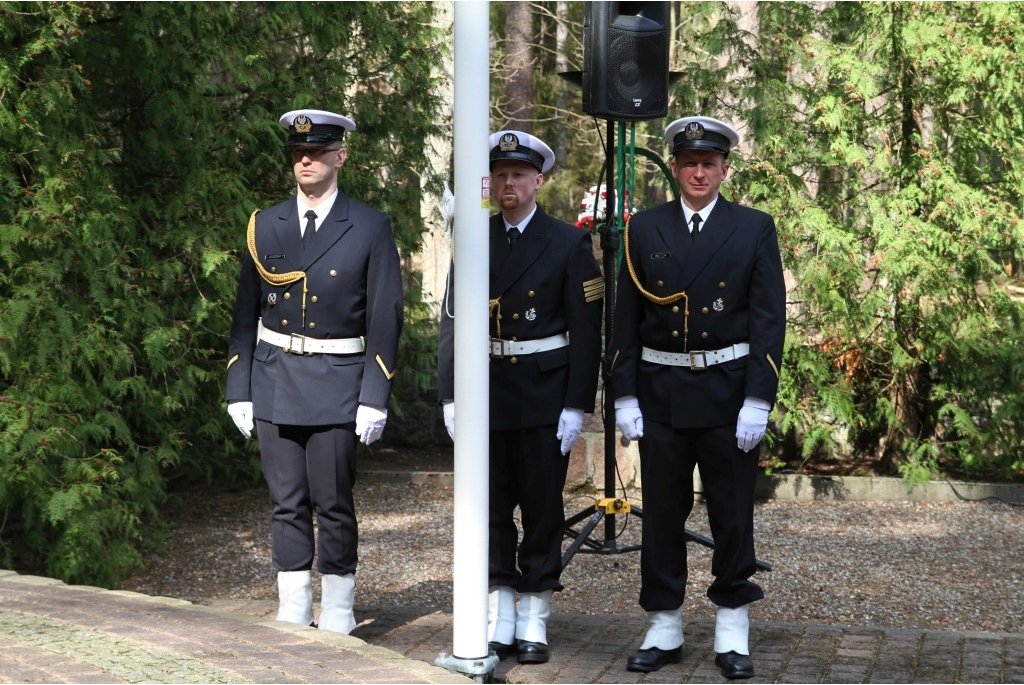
{"points": [[733, 280], [354, 288], [549, 284]]}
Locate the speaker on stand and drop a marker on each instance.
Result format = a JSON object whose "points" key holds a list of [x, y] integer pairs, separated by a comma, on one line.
{"points": [[625, 60]]}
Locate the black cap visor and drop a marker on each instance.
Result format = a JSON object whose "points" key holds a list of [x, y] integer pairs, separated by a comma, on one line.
{"points": [[713, 142], [322, 135], [523, 154]]}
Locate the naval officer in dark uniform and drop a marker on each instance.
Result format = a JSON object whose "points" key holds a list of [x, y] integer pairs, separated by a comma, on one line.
{"points": [[546, 292], [697, 349], [311, 359]]}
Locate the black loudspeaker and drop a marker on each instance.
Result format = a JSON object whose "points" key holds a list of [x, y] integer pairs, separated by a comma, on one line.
{"points": [[625, 60]]}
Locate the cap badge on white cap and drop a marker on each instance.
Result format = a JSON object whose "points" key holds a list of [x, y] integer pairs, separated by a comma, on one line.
{"points": [[302, 124], [694, 131], [508, 143]]}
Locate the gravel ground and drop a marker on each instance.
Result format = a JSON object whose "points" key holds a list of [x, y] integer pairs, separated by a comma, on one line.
{"points": [[941, 566]]}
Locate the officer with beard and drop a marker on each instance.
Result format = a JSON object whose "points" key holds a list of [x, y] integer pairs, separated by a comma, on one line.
{"points": [[546, 292]]}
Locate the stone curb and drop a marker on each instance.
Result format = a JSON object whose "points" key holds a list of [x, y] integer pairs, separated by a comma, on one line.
{"points": [[787, 487], [876, 489]]}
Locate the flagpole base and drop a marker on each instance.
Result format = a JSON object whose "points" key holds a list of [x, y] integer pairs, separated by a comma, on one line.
{"points": [[481, 670]]}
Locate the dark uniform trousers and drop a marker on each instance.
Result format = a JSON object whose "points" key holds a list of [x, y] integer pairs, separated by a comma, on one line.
{"points": [[305, 405], [527, 466], [308, 468], [735, 293], [549, 285], [667, 460]]}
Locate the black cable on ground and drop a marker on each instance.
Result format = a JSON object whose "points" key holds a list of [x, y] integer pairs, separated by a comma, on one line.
{"points": [[992, 498]]}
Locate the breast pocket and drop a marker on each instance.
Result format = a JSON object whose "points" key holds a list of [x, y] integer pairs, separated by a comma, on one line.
{"points": [[660, 274]]}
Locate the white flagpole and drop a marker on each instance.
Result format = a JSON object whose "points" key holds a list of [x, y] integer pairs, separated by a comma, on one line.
{"points": [[472, 211]]}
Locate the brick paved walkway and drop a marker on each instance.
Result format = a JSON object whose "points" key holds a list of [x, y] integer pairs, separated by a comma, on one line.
{"points": [[54, 633], [593, 649]]}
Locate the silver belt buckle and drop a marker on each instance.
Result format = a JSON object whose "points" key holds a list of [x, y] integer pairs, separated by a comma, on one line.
{"points": [[704, 358], [497, 344], [296, 343]]}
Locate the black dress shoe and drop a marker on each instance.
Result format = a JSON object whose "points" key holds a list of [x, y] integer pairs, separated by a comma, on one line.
{"points": [[532, 652], [735, 666], [501, 649], [652, 658]]}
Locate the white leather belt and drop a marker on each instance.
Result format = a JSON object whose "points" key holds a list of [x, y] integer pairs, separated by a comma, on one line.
{"points": [[508, 348], [698, 360], [300, 344]]}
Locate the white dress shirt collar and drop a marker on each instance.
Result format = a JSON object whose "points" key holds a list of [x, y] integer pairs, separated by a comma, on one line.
{"points": [[704, 213], [322, 209], [522, 224]]}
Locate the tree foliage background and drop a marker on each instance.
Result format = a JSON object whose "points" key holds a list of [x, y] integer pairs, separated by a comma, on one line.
{"points": [[886, 145], [136, 138]]}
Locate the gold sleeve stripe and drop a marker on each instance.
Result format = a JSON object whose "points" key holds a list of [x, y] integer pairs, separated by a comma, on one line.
{"points": [[232, 361], [387, 374], [614, 359], [774, 367], [593, 289]]}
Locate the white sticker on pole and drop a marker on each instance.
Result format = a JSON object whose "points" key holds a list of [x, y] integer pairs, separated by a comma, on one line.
{"points": [[485, 192]]}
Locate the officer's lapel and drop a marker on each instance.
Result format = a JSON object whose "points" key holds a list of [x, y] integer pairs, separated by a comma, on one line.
{"points": [[672, 230], [334, 226], [713, 236], [721, 225], [286, 230], [498, 246], [531, 246]]}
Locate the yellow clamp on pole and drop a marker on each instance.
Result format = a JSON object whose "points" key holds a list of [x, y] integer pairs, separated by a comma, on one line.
{"points": [[613, 505]]}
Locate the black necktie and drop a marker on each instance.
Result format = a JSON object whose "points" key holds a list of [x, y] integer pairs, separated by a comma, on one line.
{"points": [[307, 234], [695, 220], [513, 237]]}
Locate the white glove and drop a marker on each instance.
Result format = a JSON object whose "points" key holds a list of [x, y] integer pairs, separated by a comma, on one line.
{"points": [[448, 206], [628, 417], [752, 423], [570, 423], [449, 418], [241, 414], [370, 422]]}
